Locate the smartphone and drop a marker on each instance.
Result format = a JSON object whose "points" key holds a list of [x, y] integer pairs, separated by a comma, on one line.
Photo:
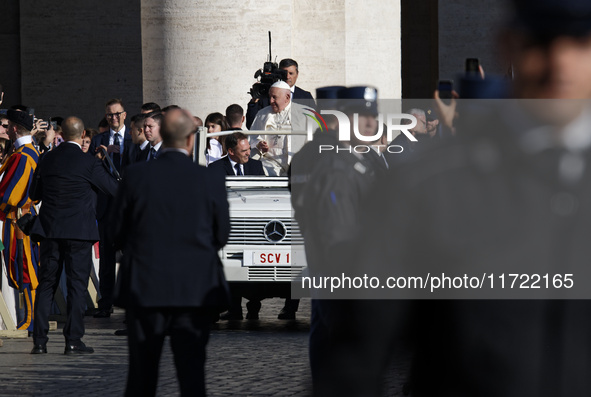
{"points": [[445, 88], [32, 112], [472, 66]]}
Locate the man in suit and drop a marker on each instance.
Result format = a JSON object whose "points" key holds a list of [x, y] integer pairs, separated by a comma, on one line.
{"points": [[300, 96], [238, 161], [171, 276], [66, 181], [117, 139], [138, 137], [297, 94], [152, 132], [118, 144]]}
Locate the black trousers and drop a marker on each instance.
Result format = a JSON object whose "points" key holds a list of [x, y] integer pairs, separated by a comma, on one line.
{"points": [[106, 266], [189, 332], [350, 346], [76, 256]]}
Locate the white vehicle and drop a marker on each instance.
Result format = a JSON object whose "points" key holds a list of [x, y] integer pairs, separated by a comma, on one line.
{"points": [[265, 251]]}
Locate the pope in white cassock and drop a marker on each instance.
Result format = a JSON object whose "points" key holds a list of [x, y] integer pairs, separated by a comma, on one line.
{"points": [[276, 151]]}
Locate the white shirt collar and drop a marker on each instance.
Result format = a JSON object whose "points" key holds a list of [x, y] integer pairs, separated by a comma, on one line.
{"points": [[75, 143], [157, 147], [144, 145], [23, 140], [234, 165], [120, 132]]}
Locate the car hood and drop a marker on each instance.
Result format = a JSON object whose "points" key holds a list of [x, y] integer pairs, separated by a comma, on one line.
{"points": [[259, 200]]}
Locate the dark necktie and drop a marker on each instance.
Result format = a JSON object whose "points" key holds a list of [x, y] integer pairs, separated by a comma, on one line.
{"points": [[153, 153], [238, 170], [117, 155]]}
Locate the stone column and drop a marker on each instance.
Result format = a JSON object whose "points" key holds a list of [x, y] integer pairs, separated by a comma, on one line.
{"points": [[203, 55]]}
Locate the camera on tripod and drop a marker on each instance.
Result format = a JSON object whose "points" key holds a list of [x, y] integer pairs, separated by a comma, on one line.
{"points": [[269, 74]]}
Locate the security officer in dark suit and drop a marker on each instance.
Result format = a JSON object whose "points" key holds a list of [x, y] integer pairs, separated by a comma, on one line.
{"points": [[510, 195], [238, 161], [172, 280], [328, 188], [112, 140], [67, 181]]}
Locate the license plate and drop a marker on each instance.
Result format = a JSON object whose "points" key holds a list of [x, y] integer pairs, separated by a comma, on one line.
{"points": [[272, 258]]}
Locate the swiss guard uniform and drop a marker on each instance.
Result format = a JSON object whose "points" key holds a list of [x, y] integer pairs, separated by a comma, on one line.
{"points": [[17, 174]]}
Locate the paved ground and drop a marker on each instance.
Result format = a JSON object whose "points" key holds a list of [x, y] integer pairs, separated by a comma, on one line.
{"points": [[268, 357]]}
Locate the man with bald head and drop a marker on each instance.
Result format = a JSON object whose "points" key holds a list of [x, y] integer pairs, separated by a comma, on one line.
{"points": [[67, 181], [281, 115], [171, 274]]}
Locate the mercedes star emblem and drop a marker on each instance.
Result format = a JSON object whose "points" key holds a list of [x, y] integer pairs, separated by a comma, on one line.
{"points": [[275, 231]]}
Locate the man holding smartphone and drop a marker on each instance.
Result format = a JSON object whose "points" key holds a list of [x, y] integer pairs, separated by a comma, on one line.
{"points": [[509, 195]]}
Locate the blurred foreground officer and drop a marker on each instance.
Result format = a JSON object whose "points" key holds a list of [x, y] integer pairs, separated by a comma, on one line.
{"points": [[171, 276], [67, 181], [21, 254], [511, 195], [328, 189]]}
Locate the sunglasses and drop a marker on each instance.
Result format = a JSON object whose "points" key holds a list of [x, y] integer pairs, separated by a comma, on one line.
{"points": [[111, 115]]}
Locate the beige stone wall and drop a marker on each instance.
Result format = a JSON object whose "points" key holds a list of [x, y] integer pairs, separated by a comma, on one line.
{"points": [[203, 55]]}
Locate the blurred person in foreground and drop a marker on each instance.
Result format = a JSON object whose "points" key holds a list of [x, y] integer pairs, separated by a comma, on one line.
{"points": [[328, 189], [510, 195], [172, 281]]}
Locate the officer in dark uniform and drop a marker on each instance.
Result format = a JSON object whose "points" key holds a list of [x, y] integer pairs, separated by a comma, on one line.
{"points": [[328, 188], [510, 195]]}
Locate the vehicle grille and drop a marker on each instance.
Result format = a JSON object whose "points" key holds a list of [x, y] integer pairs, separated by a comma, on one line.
{"points": [[273, 273], [249, 231]]}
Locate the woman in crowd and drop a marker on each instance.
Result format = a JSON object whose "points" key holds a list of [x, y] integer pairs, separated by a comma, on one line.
{"points": [[215, 122], [90, 133]]}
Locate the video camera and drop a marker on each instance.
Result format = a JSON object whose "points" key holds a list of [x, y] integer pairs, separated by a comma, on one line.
{"points": [[269, 74]]}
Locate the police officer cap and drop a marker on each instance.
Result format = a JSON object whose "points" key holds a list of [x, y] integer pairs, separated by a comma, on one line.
{"points": [[21, 118], [362, 99], [328, 97], [330, 92], [547, 19]]}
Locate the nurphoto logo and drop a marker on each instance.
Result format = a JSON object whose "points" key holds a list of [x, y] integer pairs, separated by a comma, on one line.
{"points": [[393, 122]]}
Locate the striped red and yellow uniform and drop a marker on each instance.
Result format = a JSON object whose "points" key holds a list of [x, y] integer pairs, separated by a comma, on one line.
{"points": [[17, 176]]}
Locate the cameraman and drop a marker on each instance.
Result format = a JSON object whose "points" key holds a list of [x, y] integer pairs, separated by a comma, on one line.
{"points": [[297, 94]]}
